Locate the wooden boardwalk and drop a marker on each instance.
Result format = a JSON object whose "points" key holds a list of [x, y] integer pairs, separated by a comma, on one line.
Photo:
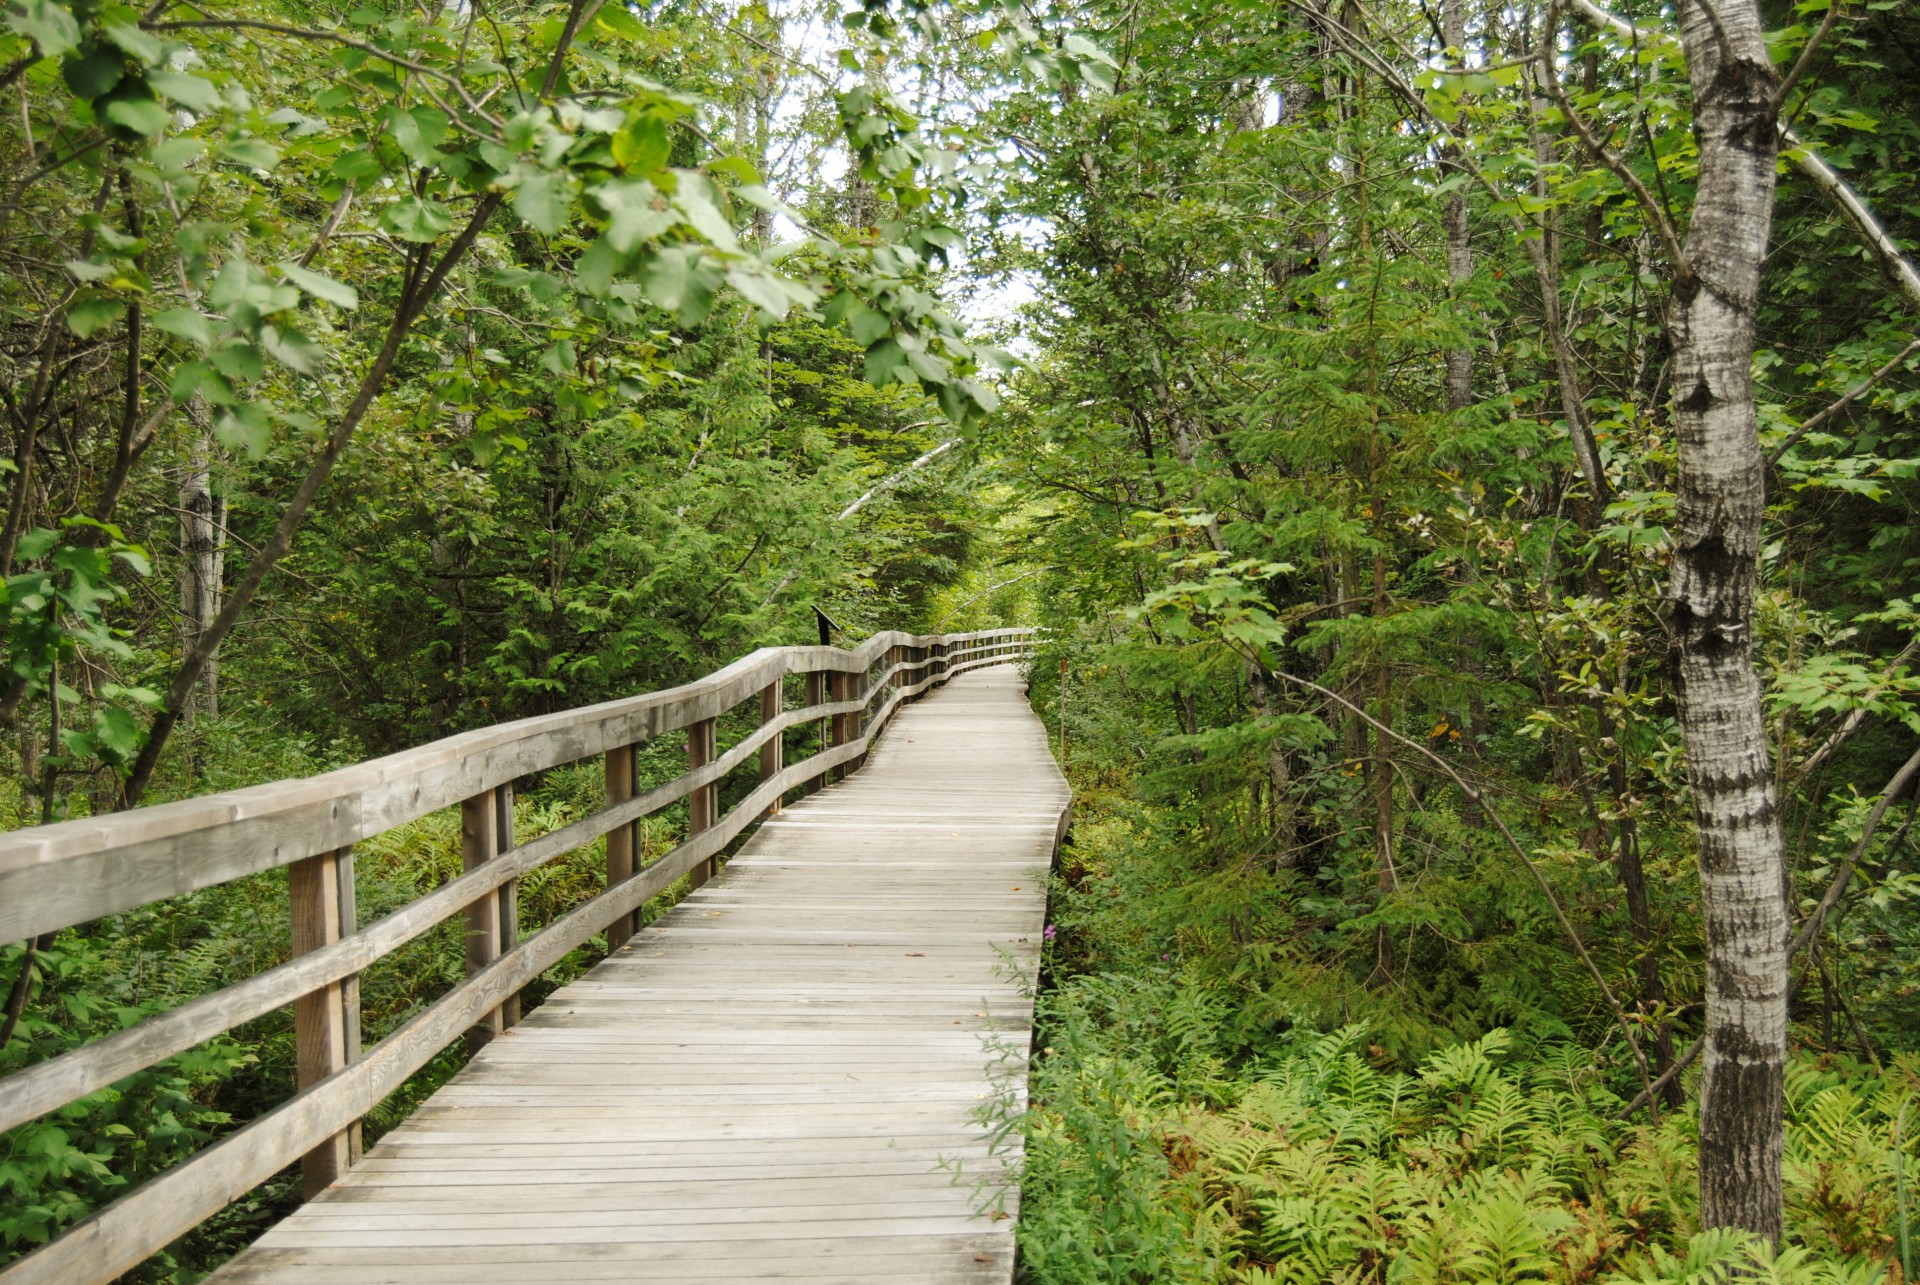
{"points": [[766, 1084]]}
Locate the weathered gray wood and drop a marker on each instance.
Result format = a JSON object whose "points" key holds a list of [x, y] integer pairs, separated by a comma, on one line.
{"points": [[509, 893], [773, 752], [479, 844], [73, 1075], [703, 803], [622, 840], [57, 875], [350, 984], [319, 1018], [154, 1214], [765, 1084]]}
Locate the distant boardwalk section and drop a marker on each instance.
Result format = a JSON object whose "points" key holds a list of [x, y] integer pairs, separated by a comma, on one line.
{"points": [[764, 1085]]}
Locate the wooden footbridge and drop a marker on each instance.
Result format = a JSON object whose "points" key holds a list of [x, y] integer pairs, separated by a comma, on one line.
{"points": [[777, 1080]]}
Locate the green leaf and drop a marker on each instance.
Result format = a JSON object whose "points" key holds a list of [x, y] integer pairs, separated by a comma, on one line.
{"points": [[245, 428], [358, 166], [541, 201], [418, 131], [641, 145], [416, 219], [761, 289], [90, 312], [1098, 75], [47, 23], [929, 368], [866, 325], [596, 268], [135, 43], [1081, 47], [619, 21], [200, 378], [695, 197], [239, 360], [193, 92], [293, 349], [141, 115], [187, 324], [254, 153], [884, 361], [559, 358], [91, 72], [35, 543], [321, 287], [681, 280]]}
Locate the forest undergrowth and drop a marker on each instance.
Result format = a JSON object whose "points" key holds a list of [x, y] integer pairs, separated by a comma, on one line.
{"points": [[1208, 1108], [1200, 1116]]}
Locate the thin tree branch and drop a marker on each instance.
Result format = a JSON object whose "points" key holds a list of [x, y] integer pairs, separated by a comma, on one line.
{"points": [[1893, 256], [1847, 399], [1546, 889], [1898, 785], [1656, 214], [1805, 60], [334, 37]]}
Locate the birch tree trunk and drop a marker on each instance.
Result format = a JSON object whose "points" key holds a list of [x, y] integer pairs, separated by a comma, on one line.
{"points": [[202, 546], [1717, 535]]}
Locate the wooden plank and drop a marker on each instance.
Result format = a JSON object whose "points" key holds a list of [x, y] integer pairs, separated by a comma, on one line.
{"points": [[703, 804], [57, 1081], [622, 841], [766, 1085], [479, 844], [108, 1242], [773, 752], [509, 893], [319, 1018], [58, 875]]}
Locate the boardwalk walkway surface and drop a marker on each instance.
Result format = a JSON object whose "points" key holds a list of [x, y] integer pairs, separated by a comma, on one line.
{"points": [[764, 1085]]}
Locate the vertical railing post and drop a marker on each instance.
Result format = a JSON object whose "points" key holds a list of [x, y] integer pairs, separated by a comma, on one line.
{"points": [[622, 841], [702, 804], [479, 842], [319, 1017], [818, 686], [509, 893], [349, 985], [847, 686], [772, 753]]}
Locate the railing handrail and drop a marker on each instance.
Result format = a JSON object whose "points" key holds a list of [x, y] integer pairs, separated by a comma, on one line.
{"points": [[54, 876], [337, 1082]]}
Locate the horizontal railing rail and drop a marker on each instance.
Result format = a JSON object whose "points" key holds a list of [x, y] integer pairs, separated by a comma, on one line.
{"points": [[55, 876]]}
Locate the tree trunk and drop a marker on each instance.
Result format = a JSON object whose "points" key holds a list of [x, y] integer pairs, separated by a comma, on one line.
{"points": [[202, 552], [1453, 217], [1717, 533]]}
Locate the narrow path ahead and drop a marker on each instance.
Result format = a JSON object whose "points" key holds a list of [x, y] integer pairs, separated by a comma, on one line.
{"points": [[766, 1084]]}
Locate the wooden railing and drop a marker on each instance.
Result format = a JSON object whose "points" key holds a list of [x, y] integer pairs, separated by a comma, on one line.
{"points": [[59, 875]]}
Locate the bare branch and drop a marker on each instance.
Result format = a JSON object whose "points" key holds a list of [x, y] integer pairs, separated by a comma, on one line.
{"points": [[1847, 399], [1895, 788], [1655, 212], [1805, 60]]}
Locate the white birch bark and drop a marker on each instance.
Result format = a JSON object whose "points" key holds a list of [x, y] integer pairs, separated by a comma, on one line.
{"points": [[1717, 537], [203, 550]]}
